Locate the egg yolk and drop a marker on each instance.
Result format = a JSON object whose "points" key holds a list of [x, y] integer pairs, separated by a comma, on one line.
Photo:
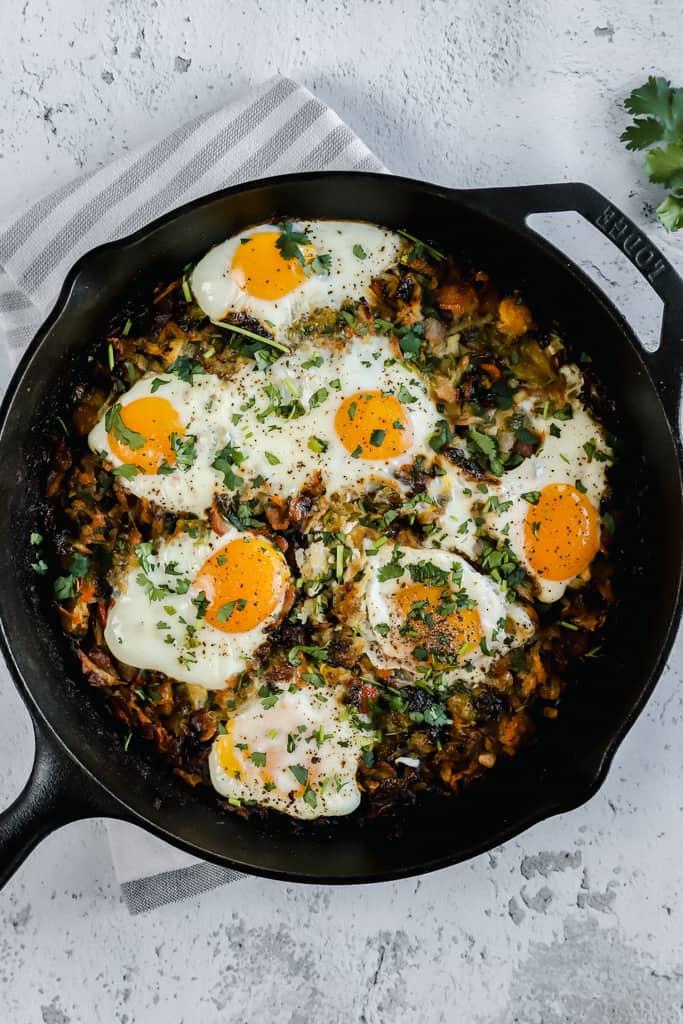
{"points": [[154, 420], [260, 270], [561, 533], [244, 582], [442, 633], [373, 425], [236, 760]]}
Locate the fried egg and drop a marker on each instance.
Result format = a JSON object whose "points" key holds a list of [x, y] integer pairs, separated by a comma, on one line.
{"points": [[276, 273], [198, 606], [161, 437], [428, 607], [548, 507], [356, 415], [296, 752]]}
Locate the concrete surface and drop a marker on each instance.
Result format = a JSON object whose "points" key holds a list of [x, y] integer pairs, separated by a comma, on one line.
{"points": [[579, 920]]}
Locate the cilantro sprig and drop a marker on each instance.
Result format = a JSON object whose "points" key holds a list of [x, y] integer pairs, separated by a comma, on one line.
{"points": [[289, 245], [657, 110], [226, 458], [113, 424]]}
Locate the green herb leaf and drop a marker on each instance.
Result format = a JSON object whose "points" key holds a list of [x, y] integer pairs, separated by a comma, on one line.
{"points": [[310, 798], [316, 444], [313, 362], [421, 249], [321, 264], [670, 213], [201, 603], [405, 397], [226, 610], [114, 424], [377, 438], [185, 449], [316, 654], [392, 570], [127, 470], [442, 436], [300, 773], [80, 565], [186, 368], [64, 587], [318, 397], [290, 241], [658, 117], [359, 252], [258, 758], [225, 459]]}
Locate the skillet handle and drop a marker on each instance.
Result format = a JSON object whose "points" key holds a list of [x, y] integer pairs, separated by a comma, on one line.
{"points": [[666, 363], [57, 792]]}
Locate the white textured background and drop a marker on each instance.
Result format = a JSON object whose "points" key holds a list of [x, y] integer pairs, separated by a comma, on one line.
{"points": [[579, 920]]}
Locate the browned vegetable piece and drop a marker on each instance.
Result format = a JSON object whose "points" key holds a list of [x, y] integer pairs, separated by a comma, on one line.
{"points": [[514, 318], [458, 297]]}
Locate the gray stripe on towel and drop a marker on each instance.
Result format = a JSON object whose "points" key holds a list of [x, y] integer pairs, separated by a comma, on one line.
{"points": [[143, 894]]}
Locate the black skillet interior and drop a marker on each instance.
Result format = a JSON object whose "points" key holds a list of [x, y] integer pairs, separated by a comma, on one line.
{"points": [[570, 756]]}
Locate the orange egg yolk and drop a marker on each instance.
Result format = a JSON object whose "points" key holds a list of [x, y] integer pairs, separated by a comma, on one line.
{"points": [[154, 419], [373, 425], [436, 631], [561, 533], [260, 270], [244, 583], [236, 762]]}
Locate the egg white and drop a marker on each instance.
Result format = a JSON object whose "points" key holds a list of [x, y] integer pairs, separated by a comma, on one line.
{"points": [[219, 295], [322, 742], [277, 449], [151, 634]]}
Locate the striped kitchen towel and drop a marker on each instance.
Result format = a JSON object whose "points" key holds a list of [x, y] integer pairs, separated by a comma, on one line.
{"points": [[280, 127]]}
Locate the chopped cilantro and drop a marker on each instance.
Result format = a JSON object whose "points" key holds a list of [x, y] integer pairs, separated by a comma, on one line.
{"points": [[226, 610], [225, 459], [113, 423], [316, 444], [318, 397], [186, 368], [300, 773], [126, 470]]}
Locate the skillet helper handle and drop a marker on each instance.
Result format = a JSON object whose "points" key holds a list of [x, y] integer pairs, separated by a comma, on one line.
{"points": [[56, 793], [666, 364]]}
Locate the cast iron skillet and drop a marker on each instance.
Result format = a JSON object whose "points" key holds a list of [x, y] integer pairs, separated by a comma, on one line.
{"points": [[81, 769]]}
